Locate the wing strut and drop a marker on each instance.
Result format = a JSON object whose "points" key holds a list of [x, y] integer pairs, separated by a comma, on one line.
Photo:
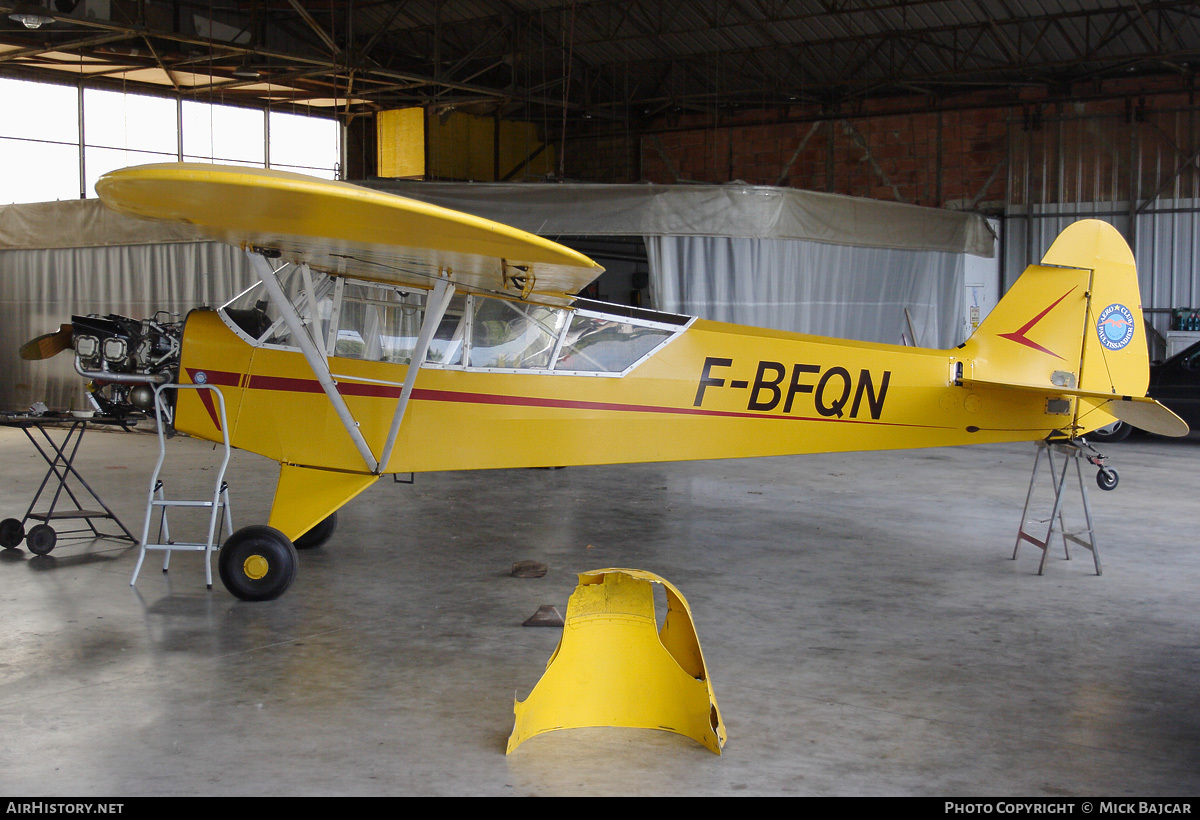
{"points": [[316, 360], [435, 308]]}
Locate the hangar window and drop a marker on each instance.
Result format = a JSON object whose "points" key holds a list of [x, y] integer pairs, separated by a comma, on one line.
{"points": [[61, 130], [126, 129]]}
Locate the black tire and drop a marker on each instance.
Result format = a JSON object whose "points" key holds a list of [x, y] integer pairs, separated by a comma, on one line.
{"points": [[12, 533], [1117, 431], [1107, 478], [257, 563], [41, 539], [318, 535]]}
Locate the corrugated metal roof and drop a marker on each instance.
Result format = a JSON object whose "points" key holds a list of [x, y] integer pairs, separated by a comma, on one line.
{"points": [[623, 55]]}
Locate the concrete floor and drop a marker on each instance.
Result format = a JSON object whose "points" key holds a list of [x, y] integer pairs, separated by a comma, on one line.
{"points": [[864, 627]]}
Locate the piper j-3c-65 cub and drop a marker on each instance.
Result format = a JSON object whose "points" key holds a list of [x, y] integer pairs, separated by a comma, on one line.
{"points": [[392, 336]]}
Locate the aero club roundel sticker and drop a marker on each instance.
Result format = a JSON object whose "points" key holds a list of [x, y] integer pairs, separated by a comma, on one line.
{"points": [[1115, 326]]}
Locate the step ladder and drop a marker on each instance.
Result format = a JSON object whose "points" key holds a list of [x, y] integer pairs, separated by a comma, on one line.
{"points": [[156, 499], [1069, 452]]}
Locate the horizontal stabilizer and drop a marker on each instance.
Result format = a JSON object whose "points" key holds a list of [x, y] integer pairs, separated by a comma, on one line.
{"points": [[1147, 414], [1141, 412]]}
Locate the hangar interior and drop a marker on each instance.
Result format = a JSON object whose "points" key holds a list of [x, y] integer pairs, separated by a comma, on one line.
{"points": [[864, 625]]}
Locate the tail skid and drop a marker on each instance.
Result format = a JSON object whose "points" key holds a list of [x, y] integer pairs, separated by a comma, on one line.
{"points": [[1071, 329]]}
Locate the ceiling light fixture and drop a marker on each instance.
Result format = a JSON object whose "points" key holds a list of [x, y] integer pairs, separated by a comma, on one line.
{"points": [[30, 15], [245, 71]]}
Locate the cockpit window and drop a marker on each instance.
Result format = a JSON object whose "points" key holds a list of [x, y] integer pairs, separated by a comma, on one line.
{"points": [[511, 335], [254, 314], [375, 322], [378, 324], [450, 337], [381, 324], [606, 345]]}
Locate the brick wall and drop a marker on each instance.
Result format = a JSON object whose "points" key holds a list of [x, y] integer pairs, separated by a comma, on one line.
{"points": [[952, 155]]}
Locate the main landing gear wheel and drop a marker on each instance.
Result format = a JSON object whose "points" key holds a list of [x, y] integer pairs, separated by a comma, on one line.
{"points": [[41, 539], [257, 563], [12, 533], [1107, 478], [318, 535]]}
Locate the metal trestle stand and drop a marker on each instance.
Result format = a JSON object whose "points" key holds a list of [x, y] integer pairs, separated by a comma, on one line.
{"points": [[218, 505], [1059, 456], [66, 504]]}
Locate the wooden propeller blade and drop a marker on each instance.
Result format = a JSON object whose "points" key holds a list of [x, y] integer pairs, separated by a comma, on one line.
{"points": [[48, 344]]}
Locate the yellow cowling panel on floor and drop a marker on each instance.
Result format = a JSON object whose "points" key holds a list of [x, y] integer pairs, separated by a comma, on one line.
{"points": [[613, 668]]}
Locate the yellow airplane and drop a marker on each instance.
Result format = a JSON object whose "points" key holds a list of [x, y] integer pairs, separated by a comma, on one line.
{"points": [[387, 335]]}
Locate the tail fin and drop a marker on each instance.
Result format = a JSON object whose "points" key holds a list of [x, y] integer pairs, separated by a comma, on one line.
{"points": [[1072, 327]]}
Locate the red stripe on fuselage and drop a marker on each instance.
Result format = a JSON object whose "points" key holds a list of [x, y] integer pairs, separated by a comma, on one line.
{"points": [[313, 386], [291, 385], [220, 378]]}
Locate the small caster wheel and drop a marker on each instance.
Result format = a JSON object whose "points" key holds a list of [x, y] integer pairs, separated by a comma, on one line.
{"points": [[1107, 478], [41, 539], [12, 533]]}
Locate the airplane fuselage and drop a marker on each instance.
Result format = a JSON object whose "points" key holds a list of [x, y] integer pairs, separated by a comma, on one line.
{"points": [[713, 390]]}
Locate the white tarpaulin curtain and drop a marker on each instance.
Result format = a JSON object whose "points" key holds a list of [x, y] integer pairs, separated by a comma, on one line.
{"points": [[811, 287], [782, 258], [41, 289], [735, 209]]}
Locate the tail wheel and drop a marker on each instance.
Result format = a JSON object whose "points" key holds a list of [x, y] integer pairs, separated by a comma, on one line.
{"points": [[1107, 478], [257, 563], [318, 535]]}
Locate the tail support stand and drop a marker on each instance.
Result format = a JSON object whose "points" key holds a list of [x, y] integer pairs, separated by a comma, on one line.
{"points": [[1069, 452], [218, 506]]}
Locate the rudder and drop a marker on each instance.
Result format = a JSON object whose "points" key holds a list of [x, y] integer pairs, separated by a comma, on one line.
{"points": [[1072, 324]]}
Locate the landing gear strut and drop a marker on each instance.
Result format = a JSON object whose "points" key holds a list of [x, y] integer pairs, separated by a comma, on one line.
{"points": [[1107, 477]]}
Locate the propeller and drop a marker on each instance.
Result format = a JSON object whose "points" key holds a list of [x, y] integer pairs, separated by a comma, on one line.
{"points": [[48, 344]]}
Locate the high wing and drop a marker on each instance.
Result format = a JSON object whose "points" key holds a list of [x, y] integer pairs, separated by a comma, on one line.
{"points": [[333, 226]]}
